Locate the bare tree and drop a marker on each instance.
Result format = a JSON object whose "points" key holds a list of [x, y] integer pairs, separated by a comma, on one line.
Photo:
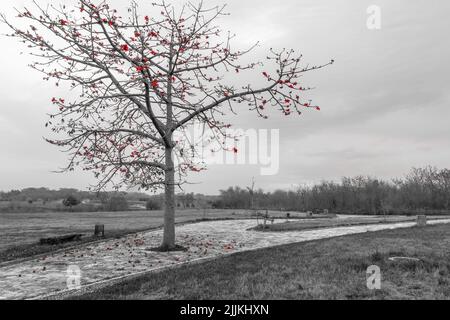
{"points": [[139, 79], [252, 193]]}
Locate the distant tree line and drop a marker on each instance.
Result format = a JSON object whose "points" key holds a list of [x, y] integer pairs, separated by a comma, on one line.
{"points": [[45, 194], [424, 190], [421, 190], [73, 200]]}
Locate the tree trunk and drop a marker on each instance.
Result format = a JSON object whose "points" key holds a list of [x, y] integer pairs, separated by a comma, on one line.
{"points": [[169, 210]]}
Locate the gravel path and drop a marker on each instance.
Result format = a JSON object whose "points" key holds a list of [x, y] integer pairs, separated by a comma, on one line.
{"points": [[131, 255]]}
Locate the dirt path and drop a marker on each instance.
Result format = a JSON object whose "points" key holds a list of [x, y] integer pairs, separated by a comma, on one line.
{"points": [[130, 255]]}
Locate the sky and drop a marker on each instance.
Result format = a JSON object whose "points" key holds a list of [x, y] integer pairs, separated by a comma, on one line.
{"points": [[384, 103]]}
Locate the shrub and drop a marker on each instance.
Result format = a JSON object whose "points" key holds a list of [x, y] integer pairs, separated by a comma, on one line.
{"points": [[117, 203], [71, 201], [152, 205]]}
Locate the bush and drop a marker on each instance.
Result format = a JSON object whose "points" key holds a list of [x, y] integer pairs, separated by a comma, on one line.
{"points": [[153, 205], [217, 204], [117, 203], [71, 201]]}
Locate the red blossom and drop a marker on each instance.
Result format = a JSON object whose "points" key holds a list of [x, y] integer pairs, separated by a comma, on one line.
{"points": [[124, 47], [63, 22], [155, 83]]}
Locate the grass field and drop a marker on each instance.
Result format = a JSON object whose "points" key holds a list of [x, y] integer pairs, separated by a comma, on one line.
{"points": [[324, 269], [20, 232], [299, 225], [22, 228]]}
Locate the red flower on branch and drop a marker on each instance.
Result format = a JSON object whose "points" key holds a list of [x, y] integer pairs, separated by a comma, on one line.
{"points": [[155, 83], [124, 47]]}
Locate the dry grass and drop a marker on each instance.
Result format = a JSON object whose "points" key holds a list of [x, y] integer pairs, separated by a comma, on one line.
{"points": [[324, 269]]}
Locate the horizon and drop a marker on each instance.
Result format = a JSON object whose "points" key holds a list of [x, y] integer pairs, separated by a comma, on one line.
{"points": [[292, 188]]}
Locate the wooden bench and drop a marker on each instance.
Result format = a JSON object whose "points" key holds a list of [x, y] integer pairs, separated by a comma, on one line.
{"points": [[60, 239]]}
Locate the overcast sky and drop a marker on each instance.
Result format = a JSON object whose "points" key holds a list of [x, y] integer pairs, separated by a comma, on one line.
{"points": [[385, 103]]}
